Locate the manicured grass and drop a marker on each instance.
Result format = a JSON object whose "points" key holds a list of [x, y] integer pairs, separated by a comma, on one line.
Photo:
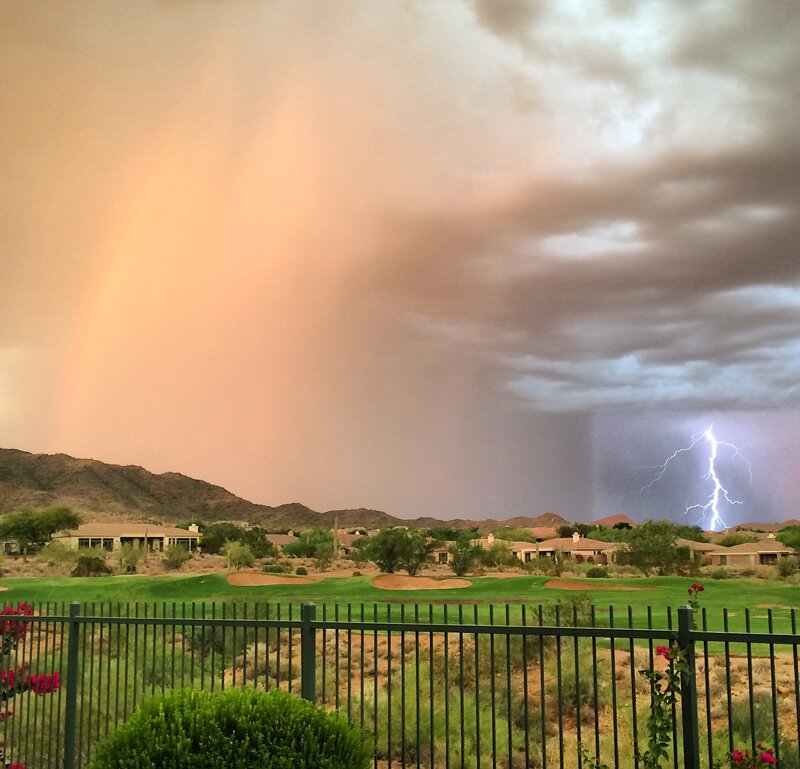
{"points": [[664, 595]]}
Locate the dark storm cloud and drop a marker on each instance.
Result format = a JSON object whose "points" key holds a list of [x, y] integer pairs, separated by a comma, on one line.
{"points": [[668, 276]]}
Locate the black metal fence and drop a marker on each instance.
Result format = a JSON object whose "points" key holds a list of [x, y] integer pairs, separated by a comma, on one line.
{"points": [[458, 686]]}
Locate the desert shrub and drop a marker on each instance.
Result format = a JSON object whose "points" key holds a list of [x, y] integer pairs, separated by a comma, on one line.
{"points": [[597, 572], [90, 566], [238, 555], [722, 572], [57, 553], [272, 567], [175, 556], [129, 557], [301, 571], [786, 567], [236, 730], [762, 728], [275, 568], [570, 611], [575, 697], [623, 571], [357, 573]]}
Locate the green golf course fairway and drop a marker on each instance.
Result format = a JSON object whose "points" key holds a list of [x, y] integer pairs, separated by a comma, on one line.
{"points": [[662, 594]]}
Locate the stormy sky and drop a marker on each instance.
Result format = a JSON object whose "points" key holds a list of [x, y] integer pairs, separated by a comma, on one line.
{"points": [[452, 257]]}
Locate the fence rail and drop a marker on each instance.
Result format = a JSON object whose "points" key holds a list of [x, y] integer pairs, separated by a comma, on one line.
{"points": [[459, 686]]}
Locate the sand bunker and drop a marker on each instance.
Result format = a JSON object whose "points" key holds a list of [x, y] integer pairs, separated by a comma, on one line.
{"points": [[566, 584], [3, 588], [253, 579], [396, 582]]}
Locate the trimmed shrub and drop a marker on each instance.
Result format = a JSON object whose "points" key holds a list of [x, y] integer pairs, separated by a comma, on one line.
{"points": [[274, 568], [251, 729], [91, 566], [301, 571], [597, 572]]}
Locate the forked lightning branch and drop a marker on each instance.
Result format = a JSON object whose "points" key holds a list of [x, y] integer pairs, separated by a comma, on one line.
{"points": [[709, 509]]}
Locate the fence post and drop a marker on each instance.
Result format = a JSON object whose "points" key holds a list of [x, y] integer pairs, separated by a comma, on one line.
{"points": [[691, 734], [71, 714], [308, 652]]}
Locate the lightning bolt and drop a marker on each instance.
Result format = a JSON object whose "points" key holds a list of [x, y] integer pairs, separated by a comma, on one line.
{"points": [[709, 510]]}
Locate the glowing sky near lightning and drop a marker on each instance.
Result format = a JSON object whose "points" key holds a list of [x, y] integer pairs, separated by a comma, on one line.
{"points": [[455, 257]]}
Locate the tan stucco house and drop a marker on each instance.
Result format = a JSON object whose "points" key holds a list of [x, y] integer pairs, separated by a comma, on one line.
{"points": [[111, 536], [764, 552], [579, 548]]}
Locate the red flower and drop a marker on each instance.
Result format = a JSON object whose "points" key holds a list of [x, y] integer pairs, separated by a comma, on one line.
{"points": [[662, 651], [737, 756], [768, 758]]}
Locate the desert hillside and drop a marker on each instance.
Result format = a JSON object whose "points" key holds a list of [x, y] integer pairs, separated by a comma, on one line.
{"points": [[101, 491]]}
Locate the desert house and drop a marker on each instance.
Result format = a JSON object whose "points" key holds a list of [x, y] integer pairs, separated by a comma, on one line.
{"points": [[765, 552], [579, 549], [345, 541], [281, 540], [112, 536]]}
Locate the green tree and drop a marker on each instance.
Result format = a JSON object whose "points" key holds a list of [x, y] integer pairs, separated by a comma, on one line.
{"points": [[416, 550], [324, 555], [466, 555], [498, 555], [34, 528], [582, 528], [238, 554], [308, 542], [653, 547], [217, 535], [385, 549]]}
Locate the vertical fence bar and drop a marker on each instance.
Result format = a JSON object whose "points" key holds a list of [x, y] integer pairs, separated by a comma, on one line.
{"points": [[70, 723], [691, 735], [308, 652]]}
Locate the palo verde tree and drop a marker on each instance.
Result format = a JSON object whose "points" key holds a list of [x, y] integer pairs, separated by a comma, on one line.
{"points": [[34, 528]]}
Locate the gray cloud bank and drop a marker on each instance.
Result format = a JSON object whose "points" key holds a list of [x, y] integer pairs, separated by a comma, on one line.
{"points": [[657, 267]]}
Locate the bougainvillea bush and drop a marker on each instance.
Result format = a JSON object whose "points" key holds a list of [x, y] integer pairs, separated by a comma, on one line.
{"points": [[14, 681], [233, 729]]}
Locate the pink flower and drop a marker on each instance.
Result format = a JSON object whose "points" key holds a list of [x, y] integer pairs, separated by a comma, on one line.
{"points": [[737, 756], [662, 651], [768, 758]]}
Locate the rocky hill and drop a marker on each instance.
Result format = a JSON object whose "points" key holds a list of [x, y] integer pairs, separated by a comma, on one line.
{"points": [[101, 491]]}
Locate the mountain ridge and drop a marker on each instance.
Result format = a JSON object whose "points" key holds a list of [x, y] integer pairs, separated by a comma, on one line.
{"points": [[97, 489]]}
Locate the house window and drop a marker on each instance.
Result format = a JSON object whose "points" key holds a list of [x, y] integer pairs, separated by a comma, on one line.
{"points": [[443, 557], [84, 542], [108, 543]]}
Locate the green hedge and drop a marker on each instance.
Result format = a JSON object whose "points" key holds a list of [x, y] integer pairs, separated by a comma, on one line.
{"points": [[233, 729]]}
